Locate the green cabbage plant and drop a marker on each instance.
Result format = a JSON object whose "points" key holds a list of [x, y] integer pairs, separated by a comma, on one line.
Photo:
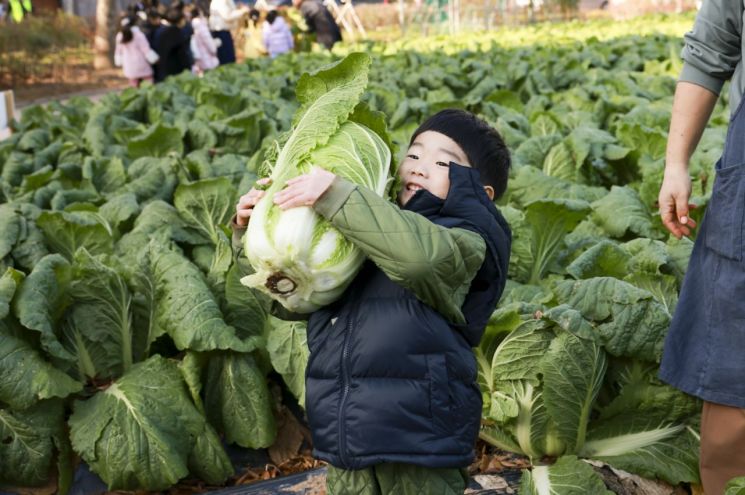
{"points": [[578, 381], [300, 259]]}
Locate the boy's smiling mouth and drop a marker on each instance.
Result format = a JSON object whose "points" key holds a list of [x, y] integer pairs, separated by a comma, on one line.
{"points": [[413, 186]]}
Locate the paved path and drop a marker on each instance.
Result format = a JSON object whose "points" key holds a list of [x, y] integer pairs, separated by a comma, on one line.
{"points": [[94, 95]]}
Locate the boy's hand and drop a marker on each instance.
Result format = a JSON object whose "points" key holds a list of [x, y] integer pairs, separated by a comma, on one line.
{"points": [[246, 203], [673, 202], [304, 190]]}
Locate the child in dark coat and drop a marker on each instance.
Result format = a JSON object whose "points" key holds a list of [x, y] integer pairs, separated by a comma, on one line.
{"points": [[391, 385], [172, 46]]}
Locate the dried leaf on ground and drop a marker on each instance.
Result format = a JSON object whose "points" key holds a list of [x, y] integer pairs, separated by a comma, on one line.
{"points": [[290, 436], [488, 482]]}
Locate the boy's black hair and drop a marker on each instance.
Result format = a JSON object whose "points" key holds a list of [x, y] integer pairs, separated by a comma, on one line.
{"points": [[482, 144], [271, 16]]}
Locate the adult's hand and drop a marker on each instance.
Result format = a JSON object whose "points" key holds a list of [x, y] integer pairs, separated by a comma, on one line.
{"points": [[304, 190], [692, 107], [673, 200]]}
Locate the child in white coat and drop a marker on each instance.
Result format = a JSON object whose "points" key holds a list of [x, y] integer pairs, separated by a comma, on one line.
{"points": [[224, 16], [133, 53]]}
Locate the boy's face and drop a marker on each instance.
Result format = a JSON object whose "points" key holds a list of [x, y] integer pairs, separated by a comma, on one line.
{"points": [[426, 165]]}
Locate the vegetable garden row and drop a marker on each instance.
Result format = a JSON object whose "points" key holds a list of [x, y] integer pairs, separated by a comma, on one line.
{"points": [[128, 341]]}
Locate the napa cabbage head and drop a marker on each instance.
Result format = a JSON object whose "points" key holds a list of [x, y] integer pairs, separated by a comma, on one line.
{"points": [[556, 391], [299, 258], [546, 375]]}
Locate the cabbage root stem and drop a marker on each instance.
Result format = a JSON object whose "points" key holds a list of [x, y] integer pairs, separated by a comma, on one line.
{"points": [[279, 283]]}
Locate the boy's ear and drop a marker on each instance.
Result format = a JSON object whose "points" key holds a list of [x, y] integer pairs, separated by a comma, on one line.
{"points": [[489, 192]]}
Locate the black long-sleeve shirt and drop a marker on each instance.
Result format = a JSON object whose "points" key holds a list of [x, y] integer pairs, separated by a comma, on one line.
{"points": [[174, 52]]}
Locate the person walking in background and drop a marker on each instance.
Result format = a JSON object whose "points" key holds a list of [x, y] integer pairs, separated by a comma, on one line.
{"points": [[203, 45], [137, 10], [133, 53], [704, 347], [137, 13], [319, 21], [223, 17], [171, 46], [277, 35], [253, 39], [151, 25], [204, 7], [186, 30]]}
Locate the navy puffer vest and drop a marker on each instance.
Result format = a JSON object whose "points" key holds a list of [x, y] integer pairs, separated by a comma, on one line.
{"points": [[388, 378]]}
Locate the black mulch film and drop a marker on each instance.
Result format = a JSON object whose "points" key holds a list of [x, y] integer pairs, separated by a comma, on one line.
{"points": [[314, 482]]}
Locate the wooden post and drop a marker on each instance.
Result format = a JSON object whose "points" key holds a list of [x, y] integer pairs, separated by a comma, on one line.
{"points": [[68, 7], [7, 113], [340, 16], [103, 43], [347, 9], [401, 17]]}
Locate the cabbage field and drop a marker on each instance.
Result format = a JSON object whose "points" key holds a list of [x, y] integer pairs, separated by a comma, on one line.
{"points": [[128, 342]]}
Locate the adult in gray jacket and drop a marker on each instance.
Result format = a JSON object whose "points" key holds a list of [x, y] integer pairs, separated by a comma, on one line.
{"points": [[705, 347], [319, 21]]}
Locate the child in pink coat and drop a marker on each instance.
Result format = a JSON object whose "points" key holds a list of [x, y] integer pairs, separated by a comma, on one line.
{"points": [[133, 53], [203, 45]]}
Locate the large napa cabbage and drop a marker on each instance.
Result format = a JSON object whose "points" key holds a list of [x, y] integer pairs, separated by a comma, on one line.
{"points": [[299, 258]]}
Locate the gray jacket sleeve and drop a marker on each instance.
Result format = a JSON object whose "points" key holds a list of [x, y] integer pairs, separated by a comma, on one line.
{"points": [[713, 48]]}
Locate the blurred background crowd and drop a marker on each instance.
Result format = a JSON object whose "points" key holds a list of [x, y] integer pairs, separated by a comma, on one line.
{"points": [[159, 38], [61, 47]]}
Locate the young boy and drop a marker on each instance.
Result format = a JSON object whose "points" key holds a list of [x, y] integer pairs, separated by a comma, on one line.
{"points": [[391, 392]]}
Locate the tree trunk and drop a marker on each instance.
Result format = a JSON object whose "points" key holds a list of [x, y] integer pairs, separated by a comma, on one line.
{"points": [[103, 45], [68, 7]]}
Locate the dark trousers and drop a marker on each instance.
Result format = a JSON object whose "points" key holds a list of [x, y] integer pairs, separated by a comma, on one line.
{"points": [[396, 479], [226, 51]]}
